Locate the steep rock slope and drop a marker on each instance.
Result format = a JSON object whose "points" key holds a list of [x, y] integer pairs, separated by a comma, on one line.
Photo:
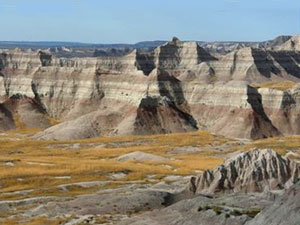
{"points": [[233, 109], [176, 88], [257, 65], [252, 171], [177, 56], [22, 112], [159, 109], [6, 119]]}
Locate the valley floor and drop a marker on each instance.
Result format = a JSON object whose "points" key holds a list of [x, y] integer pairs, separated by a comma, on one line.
{"points": [[36, 176]]}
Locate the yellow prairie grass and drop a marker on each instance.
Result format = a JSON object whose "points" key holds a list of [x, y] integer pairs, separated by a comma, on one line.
{"points": [[26, 163], [277, 85]]}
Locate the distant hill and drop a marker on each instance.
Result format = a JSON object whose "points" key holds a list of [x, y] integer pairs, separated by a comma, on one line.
{"points": [[54, 44], [149, 44], [78, 49], [41, 44]]}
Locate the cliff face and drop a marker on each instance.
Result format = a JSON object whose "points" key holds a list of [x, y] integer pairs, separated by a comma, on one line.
{"points": [[176, 88]]}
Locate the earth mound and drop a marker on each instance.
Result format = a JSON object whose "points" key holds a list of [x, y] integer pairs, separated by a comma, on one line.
{"points": [[140, 156]]}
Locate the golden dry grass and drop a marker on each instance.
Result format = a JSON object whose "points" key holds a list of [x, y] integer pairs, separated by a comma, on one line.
{"points": [[213, 79], [18, 122], [53, 121], [38, 163], [278, 85], [280, 144], [189, 163], [21, 127]]}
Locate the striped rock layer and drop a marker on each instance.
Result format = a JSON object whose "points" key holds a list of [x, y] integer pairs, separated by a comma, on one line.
{"points": [[178, 87]]}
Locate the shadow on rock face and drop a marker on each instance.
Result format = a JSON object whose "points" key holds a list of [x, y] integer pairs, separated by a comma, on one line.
{"points": [[264, 65], [170, 87], [160, 115], [289, 61], [145, 62], [6, 118], [46, 59], [166, 113], [262, 125]]}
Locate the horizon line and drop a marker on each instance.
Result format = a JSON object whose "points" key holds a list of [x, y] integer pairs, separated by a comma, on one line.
{"points": [[133, 43]]}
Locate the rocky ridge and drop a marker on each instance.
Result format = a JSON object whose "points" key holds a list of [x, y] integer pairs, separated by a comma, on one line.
{"points": [[253, 171], [178, 87], [290, 45]]}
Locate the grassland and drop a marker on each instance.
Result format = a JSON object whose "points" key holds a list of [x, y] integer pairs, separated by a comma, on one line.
{"points": [[282, 85], [33, 168], [280, 144], [26, 164]]}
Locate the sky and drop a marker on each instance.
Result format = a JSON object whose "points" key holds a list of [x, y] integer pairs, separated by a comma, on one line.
{"points": [[131, 21]]}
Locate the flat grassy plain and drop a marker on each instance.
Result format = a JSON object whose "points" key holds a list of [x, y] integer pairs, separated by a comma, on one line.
{"points": [[28, 164]]}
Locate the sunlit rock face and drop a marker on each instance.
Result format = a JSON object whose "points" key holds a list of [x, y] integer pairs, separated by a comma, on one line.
{"points": [[257, 170], [293, 44], [178, 87]]}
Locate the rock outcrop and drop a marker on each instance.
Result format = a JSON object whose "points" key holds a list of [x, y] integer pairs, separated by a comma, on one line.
{"points": [[257, 65], [177, 56], [292, 44], [285, 210], [22, 112], [253, 171], [141, 156], [178, 87], [201, 210]]}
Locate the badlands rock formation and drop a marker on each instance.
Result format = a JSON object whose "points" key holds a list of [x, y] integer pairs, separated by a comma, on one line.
{"points": [[20, 112], [178, 87], [253, 171], [285, 210], [237, 209], [291, 45]]}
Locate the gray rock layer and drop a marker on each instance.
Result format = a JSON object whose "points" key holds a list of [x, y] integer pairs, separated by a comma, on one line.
{"points": [[253, 171], [285, 210], [203, 211]]}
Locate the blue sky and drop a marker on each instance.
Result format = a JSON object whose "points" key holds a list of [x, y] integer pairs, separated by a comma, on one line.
{"points": [[130, 21]]}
